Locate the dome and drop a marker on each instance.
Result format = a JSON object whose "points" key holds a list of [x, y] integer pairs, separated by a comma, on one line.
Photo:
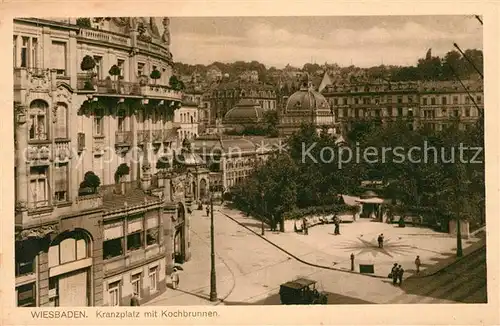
{"points": [[307, 99], [246, 111]]}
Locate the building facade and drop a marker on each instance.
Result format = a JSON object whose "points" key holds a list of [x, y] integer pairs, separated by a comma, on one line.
{"points": [[186, 118], [93, 222], [226, 95], [231, 159], [431, 104]]}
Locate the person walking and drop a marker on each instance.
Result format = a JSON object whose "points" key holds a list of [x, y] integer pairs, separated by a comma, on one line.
{"points": [[175, 278], [394, 274], [337, 225], [417, 264], [208, 211], [380, 240], [400, 273], [134, 301], [304, 226]]}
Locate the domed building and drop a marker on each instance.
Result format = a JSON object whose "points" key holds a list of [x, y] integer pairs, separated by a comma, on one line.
{"points": [[246, 112], [305, 106]]}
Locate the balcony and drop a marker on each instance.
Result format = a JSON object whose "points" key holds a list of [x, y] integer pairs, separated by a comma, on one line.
{"points": [[123, 139], [155, 48], [104, 37], [161, 92], [88, 202], [157, 136], [143, 137], [34, 78]]}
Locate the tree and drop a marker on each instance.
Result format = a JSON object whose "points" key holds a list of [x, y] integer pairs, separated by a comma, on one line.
{"points": [[88, 64], [122, 170], [83, 22], [155, 74], [114, 71], [91, 182]]}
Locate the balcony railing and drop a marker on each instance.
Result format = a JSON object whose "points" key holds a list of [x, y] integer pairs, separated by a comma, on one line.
{"points": [[123, 138], [161, 92], [88, 202], [104, 36], [157, 136], [143, 136], [154, 48]]}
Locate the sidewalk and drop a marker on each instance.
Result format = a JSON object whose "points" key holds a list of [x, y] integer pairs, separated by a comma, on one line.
{"points": [[322, 249]]}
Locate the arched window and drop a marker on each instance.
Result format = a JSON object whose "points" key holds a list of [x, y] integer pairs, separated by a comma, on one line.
{"points": [[38, 120]]}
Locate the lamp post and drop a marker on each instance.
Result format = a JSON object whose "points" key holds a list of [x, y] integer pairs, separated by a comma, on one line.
{"points": [[213, 285], [262, 218]]}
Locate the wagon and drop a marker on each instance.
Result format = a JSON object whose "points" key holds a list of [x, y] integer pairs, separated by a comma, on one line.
{"points": [[300, 292]]}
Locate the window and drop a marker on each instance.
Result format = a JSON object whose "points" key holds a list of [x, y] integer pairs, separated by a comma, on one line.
{"points": [[135, 241], [400, 112], [25, 254], [136, 284], [98, 66], [121, 123], [467, 112], [356, 101], [112, 248], [121, 64], [443, 100], [26, 295], [38, 120], [14, 55], [410, 100], [61, 125], [114, 293], [410, 113], [58, 57], [140, 69], [424, 101], [467, 99], [429, 114], [153, 279], [433, 101], [456, 113], [61, 182], [24, 52], [335, 101], [444, 112], [38, 187], [54, 291], [366, 100], [400, 99], [479, 99], [98, 122], [455, 99]]}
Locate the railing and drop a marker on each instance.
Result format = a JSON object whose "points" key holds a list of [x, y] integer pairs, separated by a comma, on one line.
{"points": [[123, 138], [117, 87], [104, 36], [161, 91], [154, 48], [88, 202], [157, 136], [143, 136]]}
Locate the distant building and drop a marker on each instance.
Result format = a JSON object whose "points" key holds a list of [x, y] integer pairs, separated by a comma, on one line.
{"points": [[213, 74], [224, 96], [186, 118], [247, 112], [250, 76], [306, 106], [431, 104]]}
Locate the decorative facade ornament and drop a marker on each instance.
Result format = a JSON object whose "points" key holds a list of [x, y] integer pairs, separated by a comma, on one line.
{"points": [[39, 79], [39, 232], [166, 31]]}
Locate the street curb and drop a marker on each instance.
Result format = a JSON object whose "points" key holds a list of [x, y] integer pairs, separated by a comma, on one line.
{"points": [[295, 257]]}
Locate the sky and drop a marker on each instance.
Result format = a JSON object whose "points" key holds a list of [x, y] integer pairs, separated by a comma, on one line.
{"points": [[363, 41]]}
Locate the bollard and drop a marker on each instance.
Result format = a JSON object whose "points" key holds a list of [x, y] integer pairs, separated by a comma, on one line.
{"points": [[352, 262]]}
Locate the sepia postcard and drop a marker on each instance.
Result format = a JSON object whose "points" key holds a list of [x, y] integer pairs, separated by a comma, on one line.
{"points": [[250, 163]]}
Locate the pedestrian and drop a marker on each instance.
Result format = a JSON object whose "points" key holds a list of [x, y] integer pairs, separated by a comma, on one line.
{"points": [[134, 301], [380, 240], [417, 264], [208, 211], [337, 225], [304, 226], [400, 273], [175, 279], [394, 274]]}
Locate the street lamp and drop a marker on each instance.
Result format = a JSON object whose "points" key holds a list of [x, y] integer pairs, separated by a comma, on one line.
{"points": [[213, 285], [262, 218]]}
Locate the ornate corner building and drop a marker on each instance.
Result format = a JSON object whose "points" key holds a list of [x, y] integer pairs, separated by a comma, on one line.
{"points": [[95, 218]]}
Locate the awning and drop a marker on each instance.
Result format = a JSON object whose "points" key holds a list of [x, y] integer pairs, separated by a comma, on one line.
{"points": [[350, 200], [374, 200]]}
